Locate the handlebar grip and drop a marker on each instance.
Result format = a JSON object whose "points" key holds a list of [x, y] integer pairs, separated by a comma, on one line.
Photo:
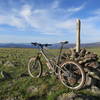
{"points": [[34, 43], [66, 42]]}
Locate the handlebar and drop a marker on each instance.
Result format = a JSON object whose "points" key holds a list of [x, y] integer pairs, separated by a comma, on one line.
{"points": [[46, 45], [42, 45]]}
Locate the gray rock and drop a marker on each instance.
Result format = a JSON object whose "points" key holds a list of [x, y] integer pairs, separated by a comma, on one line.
{"points": [[47, 73], [73, 96], [24, 75], [67, 96], [95, 89], [37, 90], [10, 98], [88, 80], [1, 62], [5, 75], [95, 75], [13, 98], [9, 64], [16, 63], [32, 89]]}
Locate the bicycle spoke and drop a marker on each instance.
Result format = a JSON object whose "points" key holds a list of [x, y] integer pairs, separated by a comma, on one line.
{"points": [[72, 75], [34, 68]]}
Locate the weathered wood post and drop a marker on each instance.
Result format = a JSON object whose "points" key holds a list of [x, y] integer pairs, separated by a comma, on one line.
{"points": [[78, 27]]}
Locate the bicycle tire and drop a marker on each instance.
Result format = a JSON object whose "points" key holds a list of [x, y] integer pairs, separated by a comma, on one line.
{"points": [[36, 61], [81, 84]]}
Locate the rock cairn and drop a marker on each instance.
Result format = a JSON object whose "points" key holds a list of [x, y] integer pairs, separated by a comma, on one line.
{"points": [[88, 60]]}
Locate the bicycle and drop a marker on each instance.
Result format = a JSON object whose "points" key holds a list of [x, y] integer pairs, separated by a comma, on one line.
{"points": [[70, 73]]}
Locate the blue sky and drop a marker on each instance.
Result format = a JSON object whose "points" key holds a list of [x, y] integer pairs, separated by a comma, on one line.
{"points": [[24, 21]]}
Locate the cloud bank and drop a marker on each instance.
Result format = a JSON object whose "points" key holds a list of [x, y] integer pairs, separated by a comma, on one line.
{"points": [[52, 20]]}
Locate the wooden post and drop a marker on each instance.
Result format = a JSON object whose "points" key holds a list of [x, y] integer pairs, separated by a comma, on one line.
{"points": [[78, 26]]}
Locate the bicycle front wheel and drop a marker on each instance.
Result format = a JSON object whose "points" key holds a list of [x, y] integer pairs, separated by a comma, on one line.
{"points": [[72, 75], [35, 67]]}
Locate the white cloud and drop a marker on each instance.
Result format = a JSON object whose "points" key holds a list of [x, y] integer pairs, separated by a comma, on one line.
{"points": [[41, 20], [52, 21], [97, 12], [26, 10], [12, 21], [69, 24], [17, 22], [45, 21], [91, 28], [12, 38], [76, 9]]}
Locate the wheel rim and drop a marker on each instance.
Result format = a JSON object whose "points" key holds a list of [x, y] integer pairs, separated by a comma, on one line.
{"points": [[76, 79], [34, 68]]}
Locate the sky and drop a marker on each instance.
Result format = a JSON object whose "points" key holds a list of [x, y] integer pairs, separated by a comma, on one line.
{"points": [[49, 21]]}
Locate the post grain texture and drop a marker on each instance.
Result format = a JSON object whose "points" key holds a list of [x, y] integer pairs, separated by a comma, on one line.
{"points": [[78, 27]]}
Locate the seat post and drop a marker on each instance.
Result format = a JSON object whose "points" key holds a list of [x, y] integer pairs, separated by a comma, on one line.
{"points": [[60, 53]]}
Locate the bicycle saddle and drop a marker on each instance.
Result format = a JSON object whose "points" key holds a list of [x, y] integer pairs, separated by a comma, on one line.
{"points": [[64, 42]]}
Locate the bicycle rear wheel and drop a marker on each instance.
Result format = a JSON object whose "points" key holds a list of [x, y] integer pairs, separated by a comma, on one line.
{"points": [[72, 75], [35, 67]]}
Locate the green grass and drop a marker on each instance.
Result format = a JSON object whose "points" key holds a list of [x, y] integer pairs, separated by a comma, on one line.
{"points": [[95, 50], [27, 88]]}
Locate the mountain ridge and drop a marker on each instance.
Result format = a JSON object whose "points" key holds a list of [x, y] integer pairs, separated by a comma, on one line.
{"points": [[57, 45]]}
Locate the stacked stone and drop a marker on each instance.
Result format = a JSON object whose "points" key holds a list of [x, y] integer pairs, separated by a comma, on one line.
{"points": [[85, 58], [90, 63]]}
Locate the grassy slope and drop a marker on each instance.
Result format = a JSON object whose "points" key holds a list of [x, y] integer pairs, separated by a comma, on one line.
{"points": [[26, 88]]}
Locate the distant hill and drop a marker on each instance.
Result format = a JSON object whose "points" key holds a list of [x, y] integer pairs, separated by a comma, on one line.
{"points": [[54, 46], [96, 44], [16, 45]]}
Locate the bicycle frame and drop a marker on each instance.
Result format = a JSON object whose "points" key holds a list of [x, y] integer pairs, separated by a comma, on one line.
{"points": [[50, 61]]}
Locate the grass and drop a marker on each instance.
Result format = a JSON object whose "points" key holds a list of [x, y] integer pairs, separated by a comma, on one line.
{"points": [[27, 88]]}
